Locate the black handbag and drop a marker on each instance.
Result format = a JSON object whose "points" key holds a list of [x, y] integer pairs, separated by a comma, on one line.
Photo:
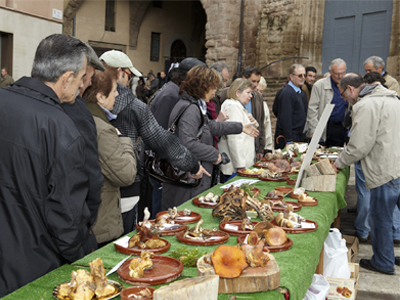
{"points": [[162, 170]]}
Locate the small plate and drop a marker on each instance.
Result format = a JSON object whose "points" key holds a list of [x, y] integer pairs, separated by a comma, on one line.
{"points": [[197, 203], [297, 230], [284, 189], [281, 179], [165, 269], [193, 218], [241, 173], [291, 181], [309, 203], [237, 224], [135, 290], [167, 232], [118, 288], [294, 196], [261, 164], [137, 251], [219, 237], [296, 206], [286, 246]]}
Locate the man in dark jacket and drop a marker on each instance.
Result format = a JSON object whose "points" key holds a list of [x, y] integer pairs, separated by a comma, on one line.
{"points": [[83, 120], [43, 186], [292, 109]]}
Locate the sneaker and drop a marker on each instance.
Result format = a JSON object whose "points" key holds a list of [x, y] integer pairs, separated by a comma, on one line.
{"points": [[366, 264]]}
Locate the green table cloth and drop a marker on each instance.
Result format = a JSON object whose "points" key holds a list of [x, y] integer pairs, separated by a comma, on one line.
{"points": [[297, 265]]}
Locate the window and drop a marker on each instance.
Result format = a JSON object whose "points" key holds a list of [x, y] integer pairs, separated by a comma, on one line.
{"points": [[155, 47], [157, 3], [110, 15], [6, 51]]}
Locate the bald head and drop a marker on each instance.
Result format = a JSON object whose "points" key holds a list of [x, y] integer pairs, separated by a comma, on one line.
{"points": [[350, 86]]}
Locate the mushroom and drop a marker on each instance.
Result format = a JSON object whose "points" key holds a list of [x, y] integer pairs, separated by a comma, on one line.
{"points": [[275, 236], [228, 261], [209, 196]]}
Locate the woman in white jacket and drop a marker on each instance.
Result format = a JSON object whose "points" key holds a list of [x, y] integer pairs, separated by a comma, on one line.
{"points": [[240, 148]]}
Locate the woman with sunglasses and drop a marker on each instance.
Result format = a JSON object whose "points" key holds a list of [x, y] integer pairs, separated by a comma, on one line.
{"points": [[292, 109]]}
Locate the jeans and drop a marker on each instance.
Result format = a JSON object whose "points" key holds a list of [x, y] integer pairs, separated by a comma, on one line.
{"points": [[383, 202], [363, 199], [363, 203]]}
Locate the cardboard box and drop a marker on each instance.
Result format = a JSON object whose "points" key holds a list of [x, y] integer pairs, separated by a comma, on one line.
{"points": [[352, 245], [341, 289]]}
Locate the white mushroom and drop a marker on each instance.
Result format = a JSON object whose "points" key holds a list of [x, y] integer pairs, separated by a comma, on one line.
{"points": [[209, 196]]}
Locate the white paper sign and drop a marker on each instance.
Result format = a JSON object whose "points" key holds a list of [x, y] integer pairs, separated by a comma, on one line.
{"points": [[231, 227], [307, 225], [239, 182], [314, 141], [123, 242]]}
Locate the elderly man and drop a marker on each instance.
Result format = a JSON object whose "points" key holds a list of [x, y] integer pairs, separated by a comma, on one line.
{"points": [[377, 64], [43, 185], [308, 83], [292, 109], [374, 134], [134, 119], [5, 78], [83, 120], [255, 107], [326, 91], [269, 144]]}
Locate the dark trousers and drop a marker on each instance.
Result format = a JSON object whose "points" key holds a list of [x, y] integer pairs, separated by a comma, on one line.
{"points": [[336, 135]]}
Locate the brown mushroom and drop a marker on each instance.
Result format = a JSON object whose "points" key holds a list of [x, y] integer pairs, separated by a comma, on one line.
{"points": [[275, 236], [228, 261]]}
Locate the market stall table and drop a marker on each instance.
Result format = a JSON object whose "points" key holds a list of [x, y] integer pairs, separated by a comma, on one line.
{"points": [[297, 265]]}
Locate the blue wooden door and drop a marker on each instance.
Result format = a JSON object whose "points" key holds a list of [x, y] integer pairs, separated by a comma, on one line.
{"points": [[355, 30]]}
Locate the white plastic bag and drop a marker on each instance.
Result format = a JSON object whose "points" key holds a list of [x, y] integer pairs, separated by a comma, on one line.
{"points": [[336, 263], [319, 288]]}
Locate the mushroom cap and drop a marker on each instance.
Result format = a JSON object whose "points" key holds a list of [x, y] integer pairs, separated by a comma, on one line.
{"points": [[228, 261], [275, 236]]}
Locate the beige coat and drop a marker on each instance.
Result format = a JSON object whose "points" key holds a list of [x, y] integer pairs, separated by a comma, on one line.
{"points": [[239, 147], [268, 128], [375, 137], [118, 166], [321, 95], [392, 83]]}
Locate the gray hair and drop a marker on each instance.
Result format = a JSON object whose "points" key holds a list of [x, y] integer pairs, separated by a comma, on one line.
{"points": [[337, 62], [263, 82], [57, 54], [376, 62], [352, 79], [219, 66], [294, 67]]}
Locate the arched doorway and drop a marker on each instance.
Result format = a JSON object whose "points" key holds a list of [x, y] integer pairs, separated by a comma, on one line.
{"points": [[178, 51]]}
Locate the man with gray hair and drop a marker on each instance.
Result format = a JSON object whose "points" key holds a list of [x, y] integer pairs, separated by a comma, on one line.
{"points": [[325, 91], [377, 64], [292, 109], [374, 136], [84, 122], [43, 185]]}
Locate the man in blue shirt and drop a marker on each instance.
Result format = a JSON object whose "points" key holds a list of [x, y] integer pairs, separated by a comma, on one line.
{"points": [[292, 109]]}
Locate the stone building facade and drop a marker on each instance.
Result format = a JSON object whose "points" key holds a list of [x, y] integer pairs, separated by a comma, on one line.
{"points": [[272, 30]]}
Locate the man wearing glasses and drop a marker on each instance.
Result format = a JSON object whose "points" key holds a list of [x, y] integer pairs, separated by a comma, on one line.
{"points": [[292, 109], [326, 91]]}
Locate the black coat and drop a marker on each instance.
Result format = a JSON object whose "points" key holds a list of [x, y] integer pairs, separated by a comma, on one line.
{"points": [[43, 213]]}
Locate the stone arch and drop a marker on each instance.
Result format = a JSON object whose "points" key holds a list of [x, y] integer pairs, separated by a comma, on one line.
{"points": [[69, 15]]}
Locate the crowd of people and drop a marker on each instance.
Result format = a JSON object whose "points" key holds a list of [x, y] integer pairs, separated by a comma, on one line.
{"points": [[72, 177]]}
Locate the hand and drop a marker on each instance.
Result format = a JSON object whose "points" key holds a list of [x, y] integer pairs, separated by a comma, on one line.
{"points": [[335, 166], [250, 129], [219, 160], [222, 116], [118, 132], [200, 173], [259, 156]]}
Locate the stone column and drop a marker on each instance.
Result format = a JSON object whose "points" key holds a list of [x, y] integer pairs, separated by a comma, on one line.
{"points": [[393, 63]]}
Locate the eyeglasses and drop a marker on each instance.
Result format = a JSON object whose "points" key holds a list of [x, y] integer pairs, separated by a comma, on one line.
{"points": [[339, 74], [300, 75], [129, 74], [342, 94]]}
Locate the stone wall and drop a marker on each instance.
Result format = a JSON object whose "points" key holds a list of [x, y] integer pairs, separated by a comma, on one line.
{"points": [[222, 31], [393, 61], [290, 28]]}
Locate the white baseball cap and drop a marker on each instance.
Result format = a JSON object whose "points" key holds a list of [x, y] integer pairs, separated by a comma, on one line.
{"points": [[118, 59]]}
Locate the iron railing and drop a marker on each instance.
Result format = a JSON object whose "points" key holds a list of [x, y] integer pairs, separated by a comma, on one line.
{"points": [[282, 59]]}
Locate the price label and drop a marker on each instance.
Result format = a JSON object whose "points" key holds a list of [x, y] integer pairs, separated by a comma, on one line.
{"points": [[231, 227]]}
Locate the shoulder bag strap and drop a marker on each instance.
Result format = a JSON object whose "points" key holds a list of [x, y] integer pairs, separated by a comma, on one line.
{"points": [[174, 124]]}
